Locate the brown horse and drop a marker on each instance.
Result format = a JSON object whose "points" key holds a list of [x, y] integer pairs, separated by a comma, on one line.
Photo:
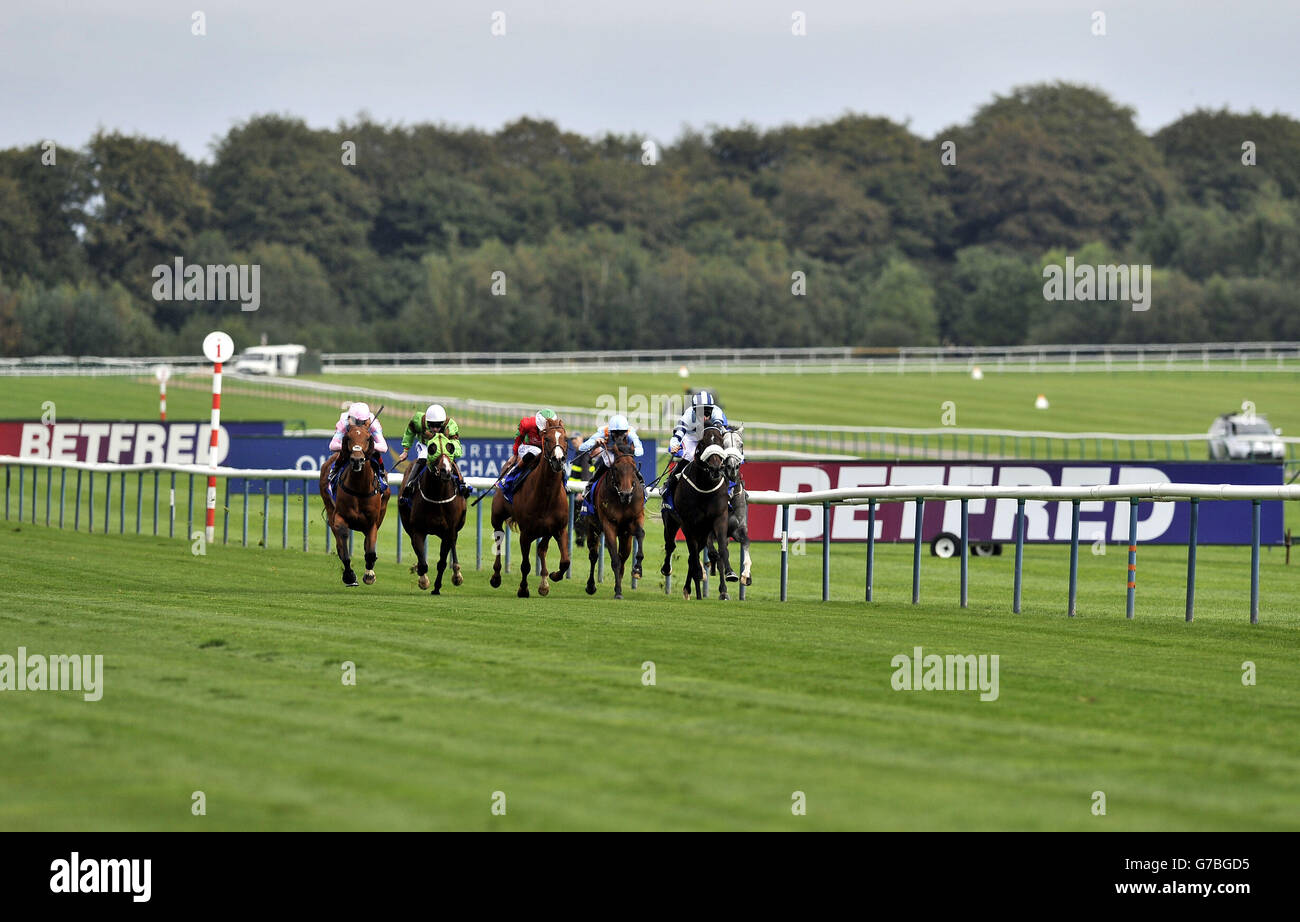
{"points": [[620, 515], [436, 508], [360, 504], [540, 511]]}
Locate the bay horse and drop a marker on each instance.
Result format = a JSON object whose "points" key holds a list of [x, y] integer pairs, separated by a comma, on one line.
{"points": [[700, 509], [619, 502], [738, 516], [436, 508], [361, 502], [540, 510]]}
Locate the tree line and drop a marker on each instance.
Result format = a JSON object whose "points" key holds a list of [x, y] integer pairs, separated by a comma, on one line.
{"points": [[855, 231]]}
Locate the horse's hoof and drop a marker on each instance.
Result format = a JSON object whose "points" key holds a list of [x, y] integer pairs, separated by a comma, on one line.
{"points": [[522, 593], [350, 583], [687, 595], [557, 576], [457, 579], [618, 596], [543, 590], [368, 579], [591, 588], [424, 582], [733, 576], [666, 570], [723, 597], [495, 581], [749, 580], [434, 591], [636, 574]]}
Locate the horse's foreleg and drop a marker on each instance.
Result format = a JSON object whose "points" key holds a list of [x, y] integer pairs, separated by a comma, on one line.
{"points": [[723, 558], [622, 546], [742, 538], [525, 566], [372, 543], [593, 554], [443, 551], [419, 544], [543, 580], [640, 551], [341, 531], [670, 545], [499, 539], [694, 573], [562, 539]]}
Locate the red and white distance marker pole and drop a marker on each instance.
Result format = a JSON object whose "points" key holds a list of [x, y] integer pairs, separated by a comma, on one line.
{"points": [[162, 373], [218, 347]]}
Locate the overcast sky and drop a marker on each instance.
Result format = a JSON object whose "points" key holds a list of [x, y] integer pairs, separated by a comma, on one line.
{"points": [[68, 67]]}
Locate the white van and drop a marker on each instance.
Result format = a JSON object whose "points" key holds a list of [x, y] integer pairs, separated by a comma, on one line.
{"points": [[269, 360]]}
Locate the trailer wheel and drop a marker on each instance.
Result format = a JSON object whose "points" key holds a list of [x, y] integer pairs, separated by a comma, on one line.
{"points": [[985, 549], [944, 545]]}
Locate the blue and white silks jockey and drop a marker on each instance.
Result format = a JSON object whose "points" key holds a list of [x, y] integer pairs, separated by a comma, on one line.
{"points": [[700, 415], [617, 428]]}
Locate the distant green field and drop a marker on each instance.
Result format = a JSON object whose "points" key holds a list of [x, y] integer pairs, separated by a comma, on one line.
{"points": [[1180, 402], [223, 675]]}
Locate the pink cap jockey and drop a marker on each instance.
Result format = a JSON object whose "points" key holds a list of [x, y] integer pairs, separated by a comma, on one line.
{"points": [[359, 413]]}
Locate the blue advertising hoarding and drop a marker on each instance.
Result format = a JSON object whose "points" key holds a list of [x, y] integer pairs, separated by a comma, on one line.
{"points": [[483, 458]]}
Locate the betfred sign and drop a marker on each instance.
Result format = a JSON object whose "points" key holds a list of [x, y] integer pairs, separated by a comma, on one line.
{"points": [[121, 442], [1220, 522]]}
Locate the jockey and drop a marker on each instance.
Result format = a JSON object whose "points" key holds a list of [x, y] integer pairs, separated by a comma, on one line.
{"points": [[599, 444], [528, 437], [359, 415], [700, 415], [421, 428]]}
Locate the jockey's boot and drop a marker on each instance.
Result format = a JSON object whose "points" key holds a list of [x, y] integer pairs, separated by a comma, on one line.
{"points": [[463, 488], [670, 484], [408, 488]]}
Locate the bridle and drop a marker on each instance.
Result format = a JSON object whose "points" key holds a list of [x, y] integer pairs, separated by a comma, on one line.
{"points": [[437, 474], [358, 464]]}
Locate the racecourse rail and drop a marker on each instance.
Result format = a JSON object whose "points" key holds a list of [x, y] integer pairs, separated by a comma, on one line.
{"points": [[871, 496]]}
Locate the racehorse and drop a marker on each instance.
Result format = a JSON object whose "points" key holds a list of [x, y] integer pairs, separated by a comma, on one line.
{"points": [[540, 510], [436, 508], [361, 501], [738, 517], [700, 509], [619, 502]]}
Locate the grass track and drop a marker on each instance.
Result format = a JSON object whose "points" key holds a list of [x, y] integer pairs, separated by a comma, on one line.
{"points": [[228, 682], [1183, 402]]}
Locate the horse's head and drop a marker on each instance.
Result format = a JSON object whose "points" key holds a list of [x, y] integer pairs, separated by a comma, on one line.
{"points": [[441, 456], [358, 443], [555, 444], [624, 471], [710, 453], [734, 447]]}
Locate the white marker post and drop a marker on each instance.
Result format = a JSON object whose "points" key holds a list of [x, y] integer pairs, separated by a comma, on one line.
{"points": [[162, 373], [218, 347]]}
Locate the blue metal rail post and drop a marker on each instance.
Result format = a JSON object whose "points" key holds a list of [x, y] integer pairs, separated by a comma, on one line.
{"points": [[1191, 559], [826, 552], [916, 551], [965, 547], [871, 546], [1254, 561], [1132, 556], [1074, 556], [785, 550], [1020, 555]]}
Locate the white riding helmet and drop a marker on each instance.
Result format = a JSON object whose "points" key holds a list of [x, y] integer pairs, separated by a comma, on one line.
{"points": [[704, 399], [541, 418], [618, 423], [435, 414], [360, 412]]}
